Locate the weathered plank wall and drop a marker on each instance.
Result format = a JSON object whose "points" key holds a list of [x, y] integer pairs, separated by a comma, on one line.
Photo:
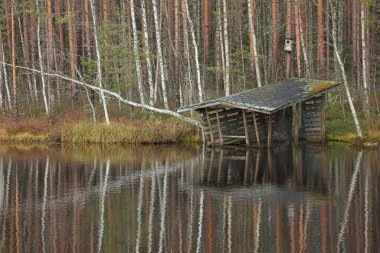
{"points": [[313, 119]]}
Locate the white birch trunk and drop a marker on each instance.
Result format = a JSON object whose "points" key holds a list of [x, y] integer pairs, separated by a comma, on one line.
{"points": [[159, 54], [99, 67], [343, 71], [364, 62], [40, 60], [136, 54], [221, 43], [188, 62], [6, 79], [147, 53], [227, 87], [252, 31], [196, 56]]}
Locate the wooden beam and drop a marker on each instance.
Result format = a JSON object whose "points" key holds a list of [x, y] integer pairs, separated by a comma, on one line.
{"points": [[210, 128], [245, 128], [256, 129], [269, 142], [219, 129]]}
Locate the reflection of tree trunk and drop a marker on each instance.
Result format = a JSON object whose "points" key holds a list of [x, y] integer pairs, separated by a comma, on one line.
{"points": [[151, 209], [139, 212], [102, 200], [353, 183], [163, 210], [43, 216], [200, 222]]}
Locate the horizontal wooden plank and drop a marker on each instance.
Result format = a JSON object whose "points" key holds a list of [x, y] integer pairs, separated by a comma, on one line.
{"points": [[312, 129]]}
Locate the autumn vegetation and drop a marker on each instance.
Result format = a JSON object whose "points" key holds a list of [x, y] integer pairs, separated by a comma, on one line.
{"points": [[75, 69]]}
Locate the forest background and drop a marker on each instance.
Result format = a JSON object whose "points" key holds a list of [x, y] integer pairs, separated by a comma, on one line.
{"points": [[68, 63]]}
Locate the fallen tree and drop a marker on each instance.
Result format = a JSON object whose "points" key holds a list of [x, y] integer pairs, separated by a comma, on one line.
{"points": [[113, 94]]}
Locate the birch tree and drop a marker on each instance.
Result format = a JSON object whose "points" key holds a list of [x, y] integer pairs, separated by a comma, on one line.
{"points": [[364, 60], [136, 54], [159, 54], [196, 56], [98, 63], [46, 105], [147, 53], [343, 70], [13, 46], [253, 34], [227, 88]]}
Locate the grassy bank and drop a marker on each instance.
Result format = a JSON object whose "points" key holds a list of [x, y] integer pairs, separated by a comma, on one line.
{"points": [[74, 127], [148, 131], [340, 126]]}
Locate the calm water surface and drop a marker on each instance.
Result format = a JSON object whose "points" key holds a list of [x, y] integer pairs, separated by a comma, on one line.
{"points": [[189, 199]]}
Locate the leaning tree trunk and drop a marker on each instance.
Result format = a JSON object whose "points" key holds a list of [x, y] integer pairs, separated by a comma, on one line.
{"points": [[98, 64], [343, 71]]}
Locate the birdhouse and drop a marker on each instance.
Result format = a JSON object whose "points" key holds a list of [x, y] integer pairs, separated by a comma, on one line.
{"points": [[288, 45]]}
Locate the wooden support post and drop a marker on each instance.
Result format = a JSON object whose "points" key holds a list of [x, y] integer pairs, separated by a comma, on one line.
{"points": [[209, 127], [297, 120], [245, 128], [323, 118], [246, 166], [257, 167], [219, 129], [269, 142], [256, 129], [220, 169], [210, 167]]}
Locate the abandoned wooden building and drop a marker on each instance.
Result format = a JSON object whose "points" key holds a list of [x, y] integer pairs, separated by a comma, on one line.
{"points": [[285, 111]]}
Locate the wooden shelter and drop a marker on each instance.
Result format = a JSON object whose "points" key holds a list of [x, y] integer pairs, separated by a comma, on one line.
{"points": [[290, 109]]}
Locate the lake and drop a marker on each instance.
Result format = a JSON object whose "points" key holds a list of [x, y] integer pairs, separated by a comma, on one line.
{"points": [[173, 198]]}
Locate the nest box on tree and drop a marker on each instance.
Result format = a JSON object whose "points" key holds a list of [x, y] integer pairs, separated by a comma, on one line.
{"points": [[288, 45]]}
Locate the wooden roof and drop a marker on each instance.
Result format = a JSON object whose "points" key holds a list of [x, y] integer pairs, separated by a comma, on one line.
{"points": [[270, 98]]}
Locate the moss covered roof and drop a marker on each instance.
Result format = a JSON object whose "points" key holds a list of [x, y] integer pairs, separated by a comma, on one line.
{"points": [[270, 98]]}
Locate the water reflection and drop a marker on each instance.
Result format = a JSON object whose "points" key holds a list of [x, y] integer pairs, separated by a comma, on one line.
{"points": [[189, 199]]}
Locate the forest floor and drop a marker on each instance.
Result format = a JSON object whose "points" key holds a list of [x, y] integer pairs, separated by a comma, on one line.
{"points": [[145, 128]]}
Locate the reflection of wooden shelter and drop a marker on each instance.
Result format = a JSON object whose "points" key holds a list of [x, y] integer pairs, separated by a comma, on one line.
{"points": [[244, 117]]}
